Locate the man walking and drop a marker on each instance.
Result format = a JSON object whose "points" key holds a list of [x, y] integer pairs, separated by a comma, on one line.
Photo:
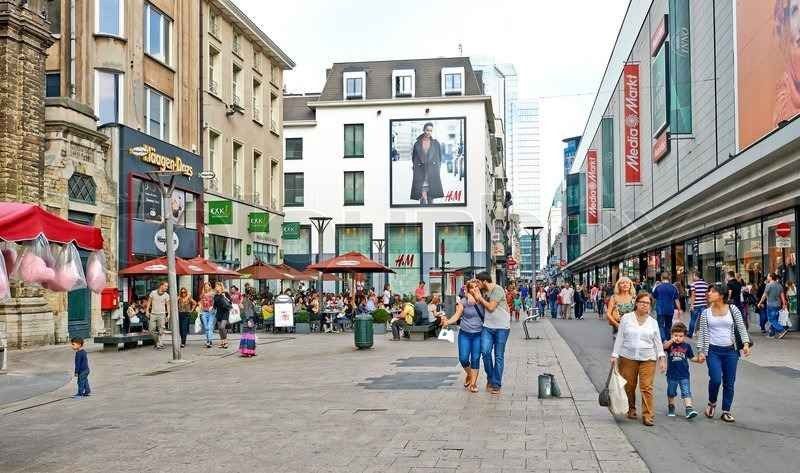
{"points": [[567, 295], [775, 300], [552, 296], [735, 293], [496, 326], [667, 305], [698, 298], [158, 310]]}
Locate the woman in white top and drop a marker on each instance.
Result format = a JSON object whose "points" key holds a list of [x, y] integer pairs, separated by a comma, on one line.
{"points": [[717, 344], [636, 350]]}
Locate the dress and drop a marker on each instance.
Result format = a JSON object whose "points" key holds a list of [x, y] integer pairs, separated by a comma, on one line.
{"points": [[247, 342]]}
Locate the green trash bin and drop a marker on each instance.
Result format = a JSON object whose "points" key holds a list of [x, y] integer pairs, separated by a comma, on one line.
{"points": [[362, 331]]}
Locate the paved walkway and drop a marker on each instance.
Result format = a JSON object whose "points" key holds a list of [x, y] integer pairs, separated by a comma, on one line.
{"points": [[315, 404]]}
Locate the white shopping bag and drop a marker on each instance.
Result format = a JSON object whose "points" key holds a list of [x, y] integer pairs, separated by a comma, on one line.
{"points": [[783, 318], [447, 334], [198, 324], [616, 391]]}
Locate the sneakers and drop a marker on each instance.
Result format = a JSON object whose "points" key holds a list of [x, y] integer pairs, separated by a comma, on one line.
{"points": [[690, 413], [782, 334], [671, 411]]}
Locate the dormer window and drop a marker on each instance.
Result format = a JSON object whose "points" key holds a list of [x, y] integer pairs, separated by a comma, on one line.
{"points": [[354, 85], [403, 83], [453, 81]]}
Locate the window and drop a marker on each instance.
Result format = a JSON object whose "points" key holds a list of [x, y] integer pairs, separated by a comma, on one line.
{"points": [[157, 114], [354, 238], [275, 75], [52, 87], [236, 46], [81, 188], [453, 81], [54, 16], [188, 218], [213, 22], [109, 17], [257, 60], [404, 256], [225, 251], [354, 188], [274, 109], [293, 189], [458, 244], [258, 177], [779, 249], [299, 246], [680, 67], [403, 83], [107, 97], [213, 155], [354, 88], [236, 87], [274, 183], [156, 33], [354, 141], [257, 104], [237, 164], [265, 253], [294, 148], [213, 70]]}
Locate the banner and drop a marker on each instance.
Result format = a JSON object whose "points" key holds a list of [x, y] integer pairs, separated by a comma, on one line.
{"points": [[659, 93], [290, 230], [258, 222], [591, 187], [767, 67], [427, 162], [607, 136], [632, 138], [220, 212], [680, 67], [661, 146]]}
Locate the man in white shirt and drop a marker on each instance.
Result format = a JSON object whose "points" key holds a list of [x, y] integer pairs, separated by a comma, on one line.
{"points": [[158, 310], [567, 300]]}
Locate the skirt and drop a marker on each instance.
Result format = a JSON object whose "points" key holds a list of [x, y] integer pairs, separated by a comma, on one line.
{"points": [[247, 342]]}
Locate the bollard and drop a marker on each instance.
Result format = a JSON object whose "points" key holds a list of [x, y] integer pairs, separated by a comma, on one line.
{"points": [[545, 386]]}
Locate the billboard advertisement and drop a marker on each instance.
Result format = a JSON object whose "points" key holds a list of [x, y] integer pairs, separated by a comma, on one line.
{"points": [[632, 138], [767, 67], [428, 162], [591, 187]]}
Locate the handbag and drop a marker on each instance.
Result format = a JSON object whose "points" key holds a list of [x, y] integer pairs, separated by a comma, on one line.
{"points": [[447, 334], [198, 324], [235, 315], [783, 318], [604, 398]]}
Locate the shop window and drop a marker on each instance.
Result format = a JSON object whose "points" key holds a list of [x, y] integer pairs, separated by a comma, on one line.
{"points": [[779, 246], [725, 248], [458, 246], [147, 198], [750, 256], [706, 258], [404, 256], [680, 265], [354, 238], [81, 188], [301, 245], [265, 253], [225, 251]]}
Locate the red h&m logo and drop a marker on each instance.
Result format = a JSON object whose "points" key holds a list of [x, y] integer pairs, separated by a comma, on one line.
{"points": [[591, 187], [453, 196], [630, 79], [406, 261]]}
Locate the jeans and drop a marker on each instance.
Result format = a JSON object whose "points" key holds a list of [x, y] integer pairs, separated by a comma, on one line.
{"points": [[494, 339], [672, 388], [553, 312], [83, 384], [772, 316], [722, 363], [696, 311], [541, 308], [397, 329], [665, 325], [762, 318], [208, 325], [183, 322], [469, 349]]}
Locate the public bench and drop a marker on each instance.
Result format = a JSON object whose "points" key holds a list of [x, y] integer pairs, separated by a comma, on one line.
{"points": [[131, 340], [422, 332]]}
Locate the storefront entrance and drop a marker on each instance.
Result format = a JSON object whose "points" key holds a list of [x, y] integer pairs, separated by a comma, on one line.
{"points": [[79, 302]]}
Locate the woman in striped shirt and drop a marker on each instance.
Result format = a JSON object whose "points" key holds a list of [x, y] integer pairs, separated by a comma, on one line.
{"points": [[718, 326]]}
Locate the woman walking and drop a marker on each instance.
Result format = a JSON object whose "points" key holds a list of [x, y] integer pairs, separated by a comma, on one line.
{"points": [[720, 325], [186, 306], [469, 336], [621, 302], [207, 314], [541, 300], [222, 306], [247, 342], [637, 349]]}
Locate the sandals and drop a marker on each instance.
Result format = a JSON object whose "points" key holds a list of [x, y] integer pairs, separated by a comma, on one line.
{"points": [[727, 417], [710, 410], [472, 388]]}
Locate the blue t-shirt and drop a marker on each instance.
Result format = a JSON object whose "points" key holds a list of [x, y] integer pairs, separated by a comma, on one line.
{"points": [[524, 292], [678, 357], [665, 295]]}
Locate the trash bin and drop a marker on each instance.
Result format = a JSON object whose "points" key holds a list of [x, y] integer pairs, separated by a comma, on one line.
{"points": [[363, 331]]}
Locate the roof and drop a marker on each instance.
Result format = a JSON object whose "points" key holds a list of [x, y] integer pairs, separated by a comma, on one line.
{"points": [[295, 107], [379, 77], [277, 53]]}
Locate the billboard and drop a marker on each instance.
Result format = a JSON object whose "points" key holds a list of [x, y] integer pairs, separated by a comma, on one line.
{"points": [[630, 80], [428, 165], [591, 187], [767, 67]]}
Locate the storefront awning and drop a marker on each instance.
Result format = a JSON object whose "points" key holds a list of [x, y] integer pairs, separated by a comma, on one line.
{"points": [[23, 222]]}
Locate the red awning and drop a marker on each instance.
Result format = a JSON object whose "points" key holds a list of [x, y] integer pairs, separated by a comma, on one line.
{"points": [[23, 222], [212, 268], [298, 275], [264, 272], [159, 266], [352, 262]]}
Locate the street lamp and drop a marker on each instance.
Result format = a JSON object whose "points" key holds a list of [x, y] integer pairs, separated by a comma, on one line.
{"points": [[533, 229], [379, 243], [320, 223]]}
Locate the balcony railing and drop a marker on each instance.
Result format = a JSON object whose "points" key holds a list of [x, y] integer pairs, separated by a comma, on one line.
{"points": [[213, 87], [237, 192]]}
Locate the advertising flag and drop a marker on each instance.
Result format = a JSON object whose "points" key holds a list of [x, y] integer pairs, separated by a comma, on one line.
{"points": [[591, 187], [631, 103]]}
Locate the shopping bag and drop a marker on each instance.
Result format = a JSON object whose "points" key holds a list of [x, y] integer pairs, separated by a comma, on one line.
{"points": [[604, 397], [235, 315], [783, 318], [447, 334], [198, 324], [618, 400]]}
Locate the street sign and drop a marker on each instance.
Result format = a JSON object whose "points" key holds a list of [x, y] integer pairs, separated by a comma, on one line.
{"points": [[783, 229]]}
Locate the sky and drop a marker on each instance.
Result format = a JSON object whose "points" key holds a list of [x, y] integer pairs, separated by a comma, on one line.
{"points": [[560, 48]]}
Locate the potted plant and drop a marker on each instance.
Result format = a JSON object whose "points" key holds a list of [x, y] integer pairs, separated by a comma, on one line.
{"points": [[301, 324], [379, 319]]}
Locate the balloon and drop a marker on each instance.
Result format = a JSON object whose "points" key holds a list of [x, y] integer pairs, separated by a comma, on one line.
{"points": [[33, 269]]}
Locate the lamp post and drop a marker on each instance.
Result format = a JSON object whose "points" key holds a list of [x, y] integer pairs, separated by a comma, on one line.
{"points": [[379, 243], [320, 223], [533, 229]]}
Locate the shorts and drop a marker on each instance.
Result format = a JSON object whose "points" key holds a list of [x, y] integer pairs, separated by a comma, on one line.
{"points": [[672, 387]]}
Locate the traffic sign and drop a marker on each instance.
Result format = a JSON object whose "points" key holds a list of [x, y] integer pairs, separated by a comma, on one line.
{"points": [[783, 229]]}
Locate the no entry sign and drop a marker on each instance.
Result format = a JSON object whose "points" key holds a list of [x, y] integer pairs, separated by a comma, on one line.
{"points": [[783, 230]]}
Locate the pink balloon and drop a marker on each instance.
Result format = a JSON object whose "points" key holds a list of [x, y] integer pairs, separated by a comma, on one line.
{"points": [[33, 269]]}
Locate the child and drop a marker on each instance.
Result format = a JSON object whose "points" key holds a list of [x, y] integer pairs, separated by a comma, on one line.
{"points": [[517, 306], [81, 368], [678, 355]]}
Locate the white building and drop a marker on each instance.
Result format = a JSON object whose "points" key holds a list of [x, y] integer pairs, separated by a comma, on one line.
{"points": [[353, 154]]}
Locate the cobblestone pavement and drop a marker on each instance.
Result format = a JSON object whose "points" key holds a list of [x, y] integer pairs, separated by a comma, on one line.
{"points": [[315, 404]]}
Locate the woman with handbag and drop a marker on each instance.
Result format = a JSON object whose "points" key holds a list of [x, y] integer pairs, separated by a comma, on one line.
{"points": [[471, 315], [621, 302], [637, 350], [722, 335], [207, 312], [222, 306]]}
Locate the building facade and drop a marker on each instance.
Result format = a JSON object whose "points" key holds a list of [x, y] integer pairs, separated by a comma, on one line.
{"points": [[353, 153], [526, 178], [689, 151]]}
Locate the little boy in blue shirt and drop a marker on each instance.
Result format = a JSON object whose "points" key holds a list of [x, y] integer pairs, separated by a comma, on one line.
{"points": [[81, 367], [679, 353]]}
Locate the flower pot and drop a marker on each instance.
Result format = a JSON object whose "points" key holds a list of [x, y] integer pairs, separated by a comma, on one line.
{"points": [[379, 329], [302, 328]]}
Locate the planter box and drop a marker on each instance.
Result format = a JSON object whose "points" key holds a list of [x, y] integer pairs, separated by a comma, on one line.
{"points": [[302, 328], [379, 329]]}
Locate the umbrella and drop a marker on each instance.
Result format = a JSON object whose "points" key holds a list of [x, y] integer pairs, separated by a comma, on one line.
{"points": [[158, 266], [212, 268], [353, 262], [22, 222], [298, 275], [264, 272]]}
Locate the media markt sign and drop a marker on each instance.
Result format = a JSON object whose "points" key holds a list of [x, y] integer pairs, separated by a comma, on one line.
{"points": [[290, 230], [220, 212], [258, 222]]}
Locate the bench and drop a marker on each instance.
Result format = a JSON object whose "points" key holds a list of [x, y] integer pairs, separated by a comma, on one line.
{"points": [[422, 332], [131, 340]]}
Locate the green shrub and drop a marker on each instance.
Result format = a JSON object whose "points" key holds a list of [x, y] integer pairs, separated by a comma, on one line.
{"points": [[381, 316], [301, 317]]}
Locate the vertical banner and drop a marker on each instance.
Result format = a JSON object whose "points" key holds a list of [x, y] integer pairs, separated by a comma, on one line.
{"points": [[630, 81], [591, 187], [607, 136], [680, 67]]}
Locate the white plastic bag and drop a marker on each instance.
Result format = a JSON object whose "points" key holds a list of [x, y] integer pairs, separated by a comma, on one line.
{"points": [[68, 270], [447, 334], [198, 324], [96, 271], [783, 318], [235, 315], [616, 391], [32, 266]]}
